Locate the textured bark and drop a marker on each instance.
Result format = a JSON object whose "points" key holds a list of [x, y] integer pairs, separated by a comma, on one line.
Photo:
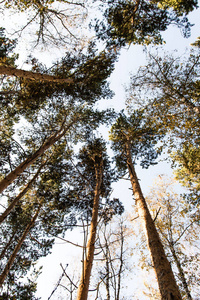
{"points": [[4, 183], [181, 273], [11, 71], [165, 277], [17, 248], [19, 196], [83, 288]]}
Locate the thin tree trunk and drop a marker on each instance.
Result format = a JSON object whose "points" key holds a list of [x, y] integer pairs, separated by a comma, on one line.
{"points": [[181, 272], [121, 264], [165, 277], [17, 248], [107, 273], [83, 288], [4, 183], [11, 71], [7, 245], [19, 196]]}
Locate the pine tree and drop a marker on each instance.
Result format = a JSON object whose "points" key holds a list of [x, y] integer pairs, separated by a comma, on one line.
{"points": [[134, 138]]}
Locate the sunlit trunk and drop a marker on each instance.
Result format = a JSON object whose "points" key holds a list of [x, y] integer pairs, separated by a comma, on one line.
{"points": [[11, 71], [165, 277], [4, 183], [83, 288]]}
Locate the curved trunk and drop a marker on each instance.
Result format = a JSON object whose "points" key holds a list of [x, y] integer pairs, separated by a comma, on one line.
{"points": [[4, 183], [165, 277], [17, 248], [11, 71], [83, 288]]}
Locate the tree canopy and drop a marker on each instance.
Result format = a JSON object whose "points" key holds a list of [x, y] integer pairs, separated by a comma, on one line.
{"points": [[57, 171]]}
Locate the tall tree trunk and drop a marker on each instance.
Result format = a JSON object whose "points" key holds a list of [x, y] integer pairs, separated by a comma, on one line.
{"points": [[181, 272], [165, 277], [11, 71], [4, 183], [83, 288], [17, 248], [19, 196]]}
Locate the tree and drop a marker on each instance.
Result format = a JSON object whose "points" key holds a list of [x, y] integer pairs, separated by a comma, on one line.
{"points": [[133, 138], [174, 85], [94, 179], [40, 214], [81, 76], [113, 245], [168, 89], [20, 195], [94, 155], [187, 171], [141, 22], [53, 21], [178, 228], [93, 86]]}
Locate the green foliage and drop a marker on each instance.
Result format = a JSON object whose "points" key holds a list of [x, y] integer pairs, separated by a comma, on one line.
{"points": [[20, 291], [187, 171], [141, 22], [168, 89], [197, 42], [179, 6], [141, 135], [6, 48], [83, 181], [88, 72]]}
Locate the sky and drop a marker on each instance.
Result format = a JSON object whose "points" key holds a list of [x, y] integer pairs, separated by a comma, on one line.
{"points": [[130, 59]]}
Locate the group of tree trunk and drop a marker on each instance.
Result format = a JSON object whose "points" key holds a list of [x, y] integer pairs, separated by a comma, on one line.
{"points": [[47, 185]]}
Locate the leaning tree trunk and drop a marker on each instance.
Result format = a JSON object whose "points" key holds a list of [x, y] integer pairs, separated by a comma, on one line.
{"points": [[3, 252], [19, 196], [17, 248], [4, 183], [83, 288], [180, 272], [165, 277], [11, 71]]}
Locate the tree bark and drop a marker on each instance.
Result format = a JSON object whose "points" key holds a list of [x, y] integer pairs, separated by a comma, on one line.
{"points": [[11, 71], [19, 196], [165, 277], [4, 183], [181, 272], [17, 248], [83, 288]]}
